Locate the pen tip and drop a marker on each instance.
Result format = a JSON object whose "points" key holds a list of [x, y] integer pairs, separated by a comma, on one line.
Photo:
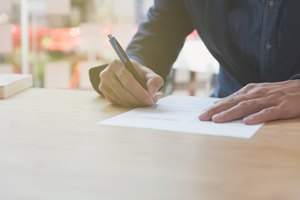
{"points": [[110, 36]]}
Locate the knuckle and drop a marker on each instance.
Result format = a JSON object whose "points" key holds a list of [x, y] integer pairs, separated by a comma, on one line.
{"points": [[279, 94], [245, 104], [115, 62], [103, 75], [286, 106], [250, 85], [268, 111], [115, 65], [244, 96], [276, 96], [225, 100], [124, 78], [235, 99], [262, 91], [226, 104], [122, 72], [271, 111]]}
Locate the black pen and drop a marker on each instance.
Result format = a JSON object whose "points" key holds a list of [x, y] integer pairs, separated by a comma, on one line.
{"points": [[125, 60]]}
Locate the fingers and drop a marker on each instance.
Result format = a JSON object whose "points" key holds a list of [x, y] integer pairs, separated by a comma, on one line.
{"points": [[115, 98], [120, 87], [265, 115], [221, 106], [284, 109], [241, 110], [239, 106], [154, 83], [130, 85]]}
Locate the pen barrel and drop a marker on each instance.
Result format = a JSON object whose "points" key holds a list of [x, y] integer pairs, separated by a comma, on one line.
{"points": [[135, 74], [125, 60]]}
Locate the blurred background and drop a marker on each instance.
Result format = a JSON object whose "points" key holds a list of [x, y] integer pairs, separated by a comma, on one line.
{"points": [[58, 41]]}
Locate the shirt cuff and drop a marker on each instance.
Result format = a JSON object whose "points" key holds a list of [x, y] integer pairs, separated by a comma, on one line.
{"points": [[94, 74], [295, 77]]}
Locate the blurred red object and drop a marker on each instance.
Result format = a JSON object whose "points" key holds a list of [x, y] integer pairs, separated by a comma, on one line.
{"points": [[51, 39]]}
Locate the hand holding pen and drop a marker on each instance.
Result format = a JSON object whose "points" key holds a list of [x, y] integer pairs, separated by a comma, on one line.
{"points": [[127, 83]]}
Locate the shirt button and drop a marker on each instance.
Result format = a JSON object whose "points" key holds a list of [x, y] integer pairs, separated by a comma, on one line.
{"points": [[268, 46], [271, 3]]}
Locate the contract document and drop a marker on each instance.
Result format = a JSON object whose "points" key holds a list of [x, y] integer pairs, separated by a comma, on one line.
{"points": [[180, 114]]}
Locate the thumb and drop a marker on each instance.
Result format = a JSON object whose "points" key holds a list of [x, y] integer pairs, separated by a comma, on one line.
{"points": [[154, 83]]}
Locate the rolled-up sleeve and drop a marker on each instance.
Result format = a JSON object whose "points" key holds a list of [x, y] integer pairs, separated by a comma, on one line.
{"points": [[294, 77]]}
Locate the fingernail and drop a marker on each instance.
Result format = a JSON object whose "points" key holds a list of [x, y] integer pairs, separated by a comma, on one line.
{"points": [[152, 90], [248, 120], [204, 116], [217, 118], [119, 73], [150, 101], [155, 99]]}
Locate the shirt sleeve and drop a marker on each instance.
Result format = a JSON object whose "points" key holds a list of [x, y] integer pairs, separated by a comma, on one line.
{"points": [[295, 77], [159, 40]]}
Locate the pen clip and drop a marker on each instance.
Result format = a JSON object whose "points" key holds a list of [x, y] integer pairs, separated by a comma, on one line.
{"points": [[118, 49], [124, 58]]}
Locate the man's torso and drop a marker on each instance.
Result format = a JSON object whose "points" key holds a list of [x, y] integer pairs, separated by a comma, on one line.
{"points": [[250, 38]]}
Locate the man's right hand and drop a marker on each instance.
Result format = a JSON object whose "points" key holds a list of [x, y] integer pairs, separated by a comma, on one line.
{"points": [[120, 87]]}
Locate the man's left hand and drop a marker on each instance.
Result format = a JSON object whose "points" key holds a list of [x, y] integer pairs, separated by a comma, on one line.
{"points": [[258, 103]]}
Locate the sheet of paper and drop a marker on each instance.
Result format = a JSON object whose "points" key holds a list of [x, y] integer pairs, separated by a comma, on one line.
{"points": [[180, 114]]}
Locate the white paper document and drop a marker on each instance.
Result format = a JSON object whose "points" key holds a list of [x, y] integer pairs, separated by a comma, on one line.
{"points": [[180, 114]]}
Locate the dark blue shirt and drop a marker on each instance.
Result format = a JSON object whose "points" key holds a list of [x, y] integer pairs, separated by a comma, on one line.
{"points": [[253, 40]]}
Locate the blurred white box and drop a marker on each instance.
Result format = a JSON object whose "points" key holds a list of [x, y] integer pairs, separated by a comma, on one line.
{"points": [[5, 6], [84, 79], [58, 7], [6, 69], [57, 75], [6, 42]]}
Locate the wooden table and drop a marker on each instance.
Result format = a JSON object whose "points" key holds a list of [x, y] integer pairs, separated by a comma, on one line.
{"points": [[52, 148]]}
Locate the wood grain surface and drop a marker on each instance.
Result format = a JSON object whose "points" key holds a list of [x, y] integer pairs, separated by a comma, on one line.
{"points": [[51, 148]]}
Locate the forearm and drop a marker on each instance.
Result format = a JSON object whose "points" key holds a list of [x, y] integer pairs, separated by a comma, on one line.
{"points": [[296, 76], [160, 39]]}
